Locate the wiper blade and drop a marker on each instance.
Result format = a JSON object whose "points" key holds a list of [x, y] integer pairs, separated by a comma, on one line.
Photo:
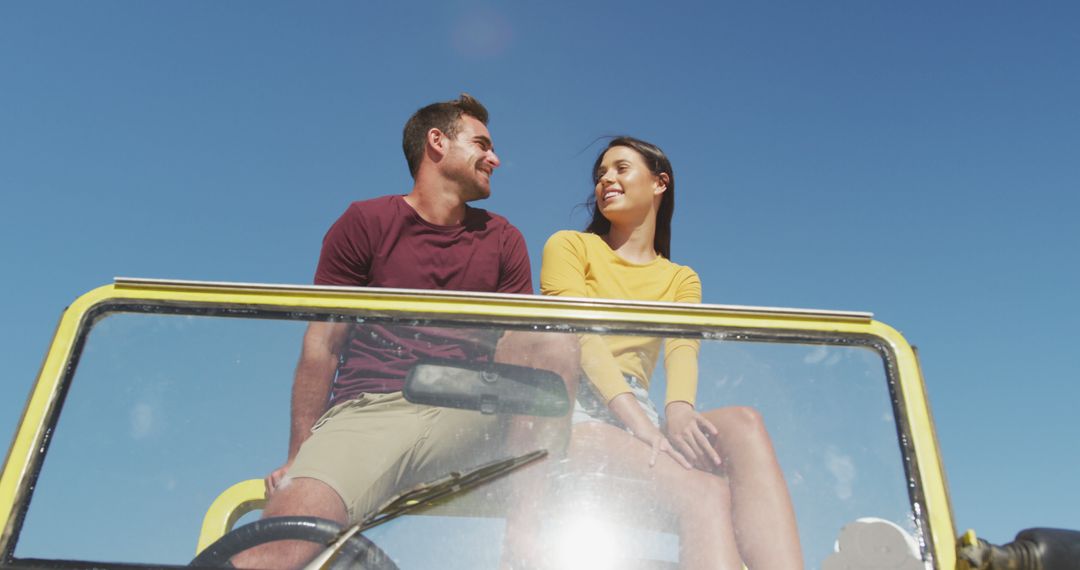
{"points": [[424, 495], [451, 484]]}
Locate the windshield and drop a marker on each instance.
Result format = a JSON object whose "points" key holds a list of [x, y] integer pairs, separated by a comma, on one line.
{"points": [[169, 407]]}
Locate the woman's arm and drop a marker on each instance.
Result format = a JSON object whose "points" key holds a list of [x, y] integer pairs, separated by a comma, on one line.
{"points": [[562, 274], [689, 431]]}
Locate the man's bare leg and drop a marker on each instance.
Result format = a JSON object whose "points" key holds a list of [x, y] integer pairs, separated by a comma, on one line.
{"points": [[302, 496]]}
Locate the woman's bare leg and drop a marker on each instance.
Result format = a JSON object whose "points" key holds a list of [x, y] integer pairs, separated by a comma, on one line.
{"points": [[765, 527], [700, 499]]}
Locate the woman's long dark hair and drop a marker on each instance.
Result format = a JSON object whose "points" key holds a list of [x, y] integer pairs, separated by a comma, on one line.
{"points": [[658, 163]]}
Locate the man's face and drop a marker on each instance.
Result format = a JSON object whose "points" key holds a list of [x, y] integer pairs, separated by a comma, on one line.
{"points": [[470, 159]]}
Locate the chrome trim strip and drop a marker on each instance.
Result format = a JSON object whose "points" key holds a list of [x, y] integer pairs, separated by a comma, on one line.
{"points": [[142, 283]]}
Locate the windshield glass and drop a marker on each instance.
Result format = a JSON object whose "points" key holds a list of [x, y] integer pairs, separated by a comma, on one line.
{"points": [[167, 408]]}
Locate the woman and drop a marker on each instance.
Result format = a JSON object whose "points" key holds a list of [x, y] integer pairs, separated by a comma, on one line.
{"points": [[700, 462]]}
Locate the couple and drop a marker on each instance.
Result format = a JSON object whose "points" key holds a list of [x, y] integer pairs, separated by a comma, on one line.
{"points": [[354, 440]]}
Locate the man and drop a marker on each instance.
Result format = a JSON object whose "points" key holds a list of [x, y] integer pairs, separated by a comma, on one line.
{"points": [[343, 463]]}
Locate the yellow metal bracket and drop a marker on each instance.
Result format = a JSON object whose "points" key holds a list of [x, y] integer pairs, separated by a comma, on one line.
{"points": [[228, 507]]}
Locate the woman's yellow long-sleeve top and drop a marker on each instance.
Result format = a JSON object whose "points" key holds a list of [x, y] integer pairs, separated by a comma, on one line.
{"points": [[580, 264]]}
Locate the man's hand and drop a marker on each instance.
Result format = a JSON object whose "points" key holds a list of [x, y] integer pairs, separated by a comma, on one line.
{"points": [[692, 433], [276, 478]]}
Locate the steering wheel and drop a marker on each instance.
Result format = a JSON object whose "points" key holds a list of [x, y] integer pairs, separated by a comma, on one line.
{"points": [[358, 552]]}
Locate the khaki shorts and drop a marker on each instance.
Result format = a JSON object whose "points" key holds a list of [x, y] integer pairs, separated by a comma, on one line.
{"points": [[377, 445]]}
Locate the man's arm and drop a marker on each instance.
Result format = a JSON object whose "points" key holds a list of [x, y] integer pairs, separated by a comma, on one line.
{"points": [[319, 356], [515, 271]]}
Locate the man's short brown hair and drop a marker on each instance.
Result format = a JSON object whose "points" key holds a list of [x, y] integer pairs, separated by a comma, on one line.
{"points": [[444, 116]]}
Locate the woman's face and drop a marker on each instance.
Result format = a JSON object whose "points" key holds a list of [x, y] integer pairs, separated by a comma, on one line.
{"points": [[625, 187]]}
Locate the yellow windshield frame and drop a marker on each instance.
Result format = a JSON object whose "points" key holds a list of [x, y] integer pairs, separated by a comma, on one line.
{"points": [[932, 507]]}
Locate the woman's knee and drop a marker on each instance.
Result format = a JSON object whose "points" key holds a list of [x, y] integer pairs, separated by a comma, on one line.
{"points": [[740, 427], [737, 419]]}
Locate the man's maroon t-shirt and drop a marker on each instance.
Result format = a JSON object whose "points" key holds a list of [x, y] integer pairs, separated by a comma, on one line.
{"points": [[384, 243]]}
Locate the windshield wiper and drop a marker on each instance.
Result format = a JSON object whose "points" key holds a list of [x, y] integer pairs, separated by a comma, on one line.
{"points": [[424, 495]]}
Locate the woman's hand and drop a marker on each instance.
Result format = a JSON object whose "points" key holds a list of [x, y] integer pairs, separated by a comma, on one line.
{"points": [[660, 444], [626, 408], [691, 434]]}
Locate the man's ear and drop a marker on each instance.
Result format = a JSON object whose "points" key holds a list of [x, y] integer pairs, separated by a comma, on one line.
{"points": [[436, 142], [662, 181]]}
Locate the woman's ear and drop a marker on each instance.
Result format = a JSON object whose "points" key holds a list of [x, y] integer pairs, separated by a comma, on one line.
{"points": [[662, 181]]}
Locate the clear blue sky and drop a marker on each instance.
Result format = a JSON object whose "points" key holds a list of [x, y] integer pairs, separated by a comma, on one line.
{"points": [[920, 160]]}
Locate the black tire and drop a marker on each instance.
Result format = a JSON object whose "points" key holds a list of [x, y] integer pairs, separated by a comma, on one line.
{"points": [[359, 552]]}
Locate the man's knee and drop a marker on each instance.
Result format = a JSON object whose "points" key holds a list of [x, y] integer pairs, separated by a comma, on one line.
{"points": [[302, 496], [305, 496]]}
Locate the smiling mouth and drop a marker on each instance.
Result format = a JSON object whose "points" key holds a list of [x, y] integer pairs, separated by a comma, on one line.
{"points": [[610, 194]]}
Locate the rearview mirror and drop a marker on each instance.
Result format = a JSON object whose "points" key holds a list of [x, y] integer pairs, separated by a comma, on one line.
{"points": [[487, 387]]}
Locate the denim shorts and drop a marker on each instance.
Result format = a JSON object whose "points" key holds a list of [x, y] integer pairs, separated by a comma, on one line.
{"points": [[590, 405]]}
